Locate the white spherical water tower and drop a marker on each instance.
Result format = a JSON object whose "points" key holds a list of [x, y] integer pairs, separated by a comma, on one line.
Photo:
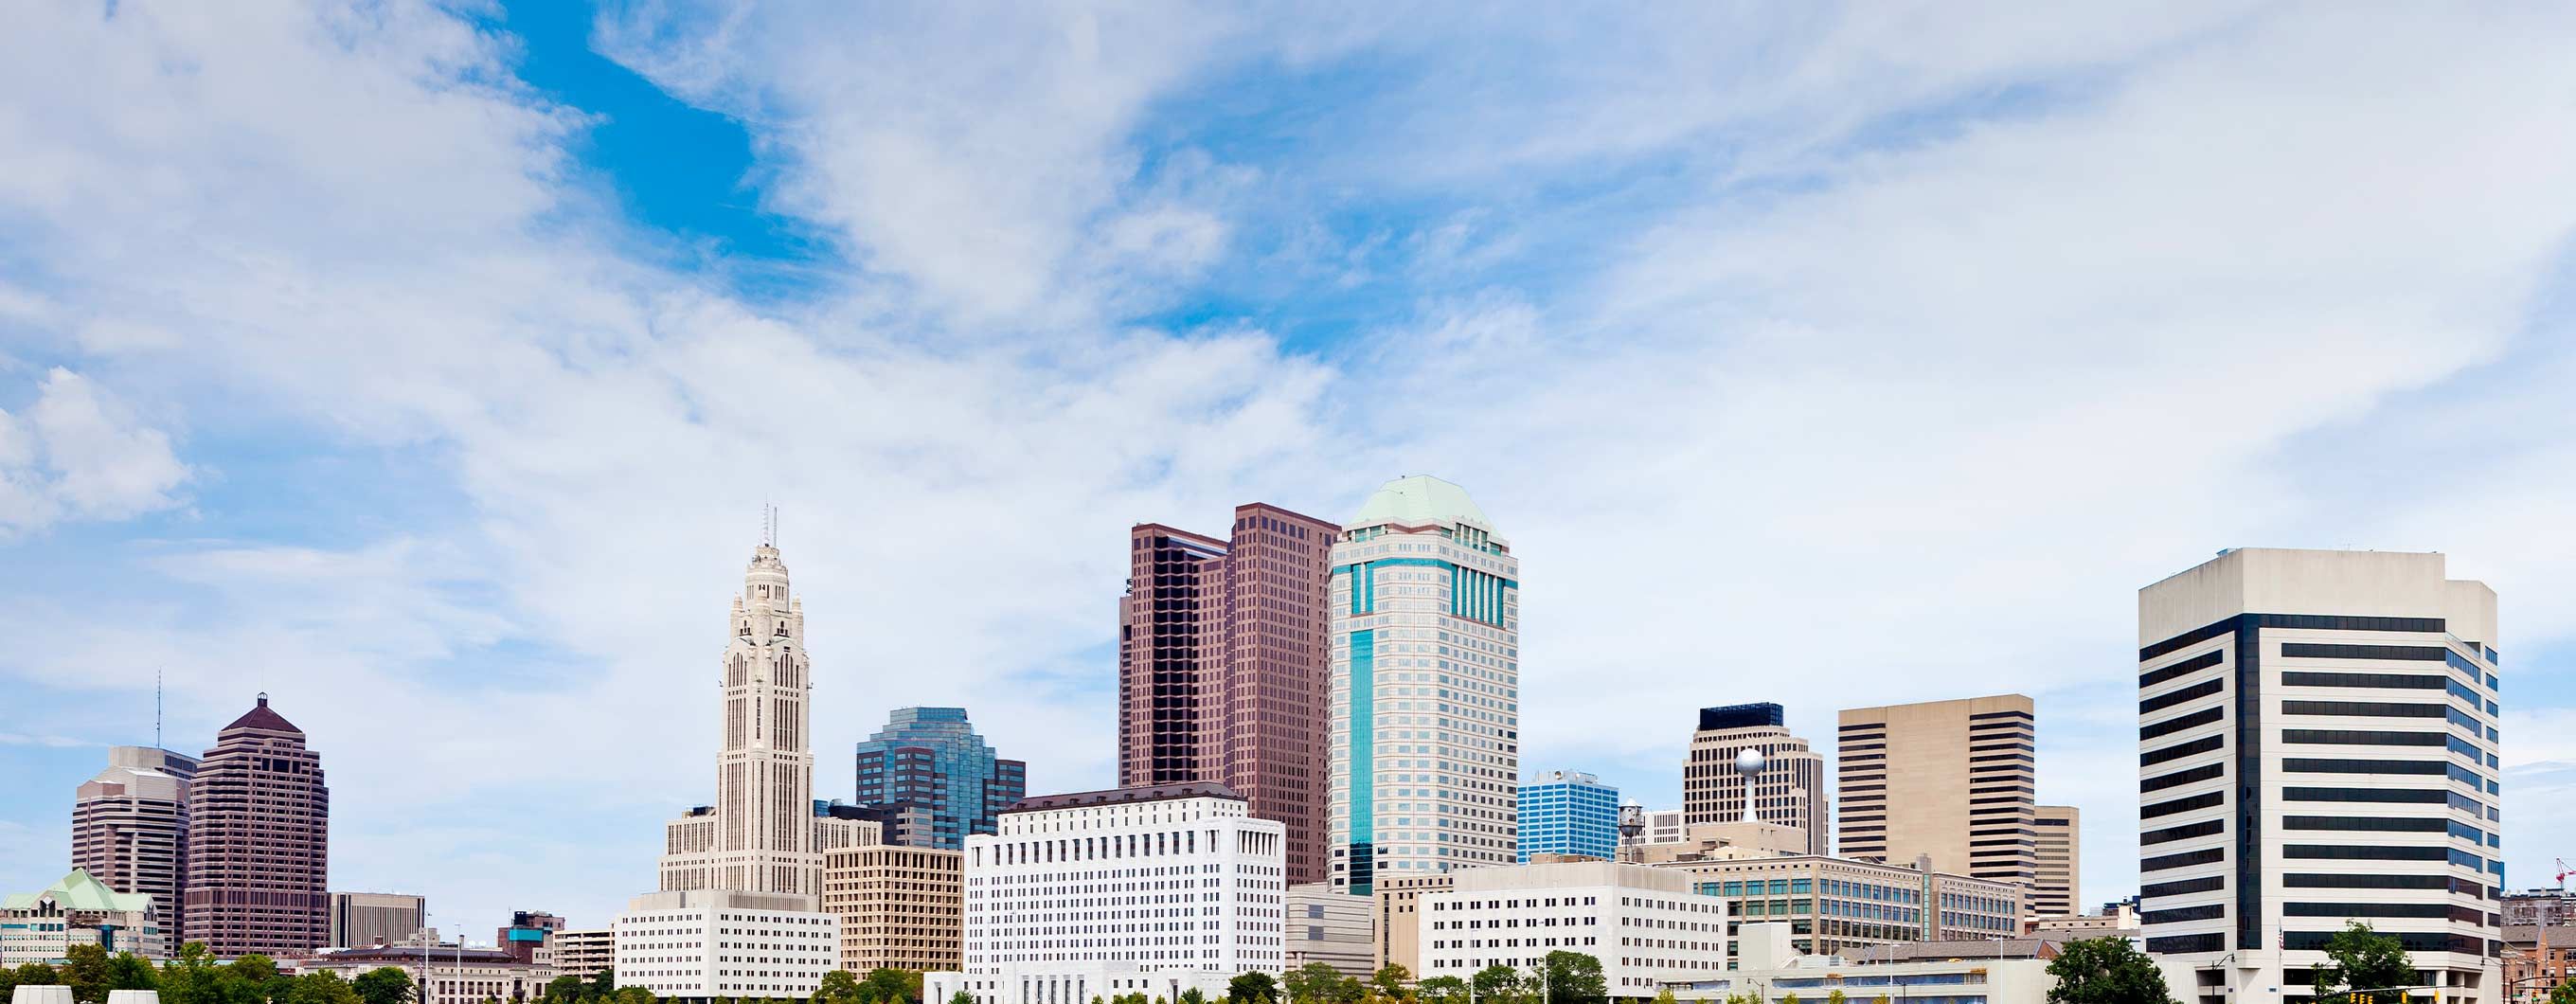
{"points": [[1748, 762]]}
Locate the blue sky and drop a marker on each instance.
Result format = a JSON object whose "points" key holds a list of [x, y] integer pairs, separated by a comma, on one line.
{"points": [[426, 366]]}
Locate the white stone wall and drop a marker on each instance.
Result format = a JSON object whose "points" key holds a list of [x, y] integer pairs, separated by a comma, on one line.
{"points": [[1180, 883]]}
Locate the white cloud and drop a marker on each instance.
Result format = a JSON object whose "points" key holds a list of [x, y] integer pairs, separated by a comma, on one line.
{"points": [[78, 453]]}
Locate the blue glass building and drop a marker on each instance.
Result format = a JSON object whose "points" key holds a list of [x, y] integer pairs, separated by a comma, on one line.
{"points": [[936, 777], [1567, 812]]}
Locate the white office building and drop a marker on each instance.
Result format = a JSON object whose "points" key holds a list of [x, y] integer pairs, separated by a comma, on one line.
{"points": [[1644, 923], [1425, 688], [1079, 895], [2008, 971], [707, 943], [2317, 742]]}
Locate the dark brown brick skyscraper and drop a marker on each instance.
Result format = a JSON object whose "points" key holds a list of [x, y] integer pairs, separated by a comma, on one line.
{"points": [[259, 841], [1221, 667]]}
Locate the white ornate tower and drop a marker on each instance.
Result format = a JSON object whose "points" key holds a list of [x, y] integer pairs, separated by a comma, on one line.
{"points": [[761, 835]]}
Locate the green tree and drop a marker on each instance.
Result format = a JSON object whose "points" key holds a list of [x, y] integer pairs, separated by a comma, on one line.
{"points": [[895, 986], [1193, 996], [190, 977], [961, 997], [1664, 995], [1574, 978], [390, 985], [38, 974], [247, 981], [2563, 993], [564, 989], [2105, 971], [324, 987], [1252, 987], [85, 971], [1789, 999], [1313, 983], [1497, 984], [1837, 997], [636, 995], [838, 987], [1442, 990], [2363, 959], [128, 971], [1391, 980]]}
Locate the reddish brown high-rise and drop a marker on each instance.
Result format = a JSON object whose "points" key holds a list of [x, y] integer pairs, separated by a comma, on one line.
{"points": [[1221, 667], [259, 841]]}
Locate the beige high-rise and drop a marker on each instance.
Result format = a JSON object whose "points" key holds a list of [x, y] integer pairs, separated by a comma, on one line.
{"points": [[1789, 790], [2061, 870], [762, 834], [1955, 781], [901, 907]]}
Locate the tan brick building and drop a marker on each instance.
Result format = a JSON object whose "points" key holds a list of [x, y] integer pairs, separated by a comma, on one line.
{"points": [[1956, 781], [1398, 904], [2061, 862], [900, 907]]}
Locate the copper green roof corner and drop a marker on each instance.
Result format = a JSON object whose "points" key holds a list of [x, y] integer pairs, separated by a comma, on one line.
{"points": [[80, 891], [1420, 500]]}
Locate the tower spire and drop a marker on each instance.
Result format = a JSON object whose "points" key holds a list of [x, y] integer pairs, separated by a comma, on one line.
{"points": [[768, 525]]}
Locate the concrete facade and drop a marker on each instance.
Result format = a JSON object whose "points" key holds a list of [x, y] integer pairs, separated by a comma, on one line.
{"points": [[1073, 983], [1087, 878], [130, 827], [585, 953], [1955, 781], [1790, 790], [1772, 972], [900, 907], [1396, 905], [762, 834], [1221, 660], [1843, 905], [704, 944], [361, 919], [2061, 861], [1425, 711], [2317, 741], [1334, 928], [259, 841], [1644, 924]]}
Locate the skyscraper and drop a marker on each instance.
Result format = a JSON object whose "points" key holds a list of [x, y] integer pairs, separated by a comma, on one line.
{"points": [[928, 764], [1425, 710], [2061, 861], [1568, 812], [762, 834], [1789, 791], [1221, 667], [1955, 780], [2317, 741], [130, 827], [259, 841]]}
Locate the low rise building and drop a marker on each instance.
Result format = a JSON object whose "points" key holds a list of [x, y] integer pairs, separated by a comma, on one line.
{"points": [[1396, 905], [901, 907], [441, 974], [2536, 960], [1334, 928], [2538, 908], [1841, 905], [1084, 894], [1643, 923], [2119, 921], [2009, 971], [79, 910], [585, 954], [701, 944]]}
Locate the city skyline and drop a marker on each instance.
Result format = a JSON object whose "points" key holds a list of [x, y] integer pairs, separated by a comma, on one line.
{"points": [[384, 365]]}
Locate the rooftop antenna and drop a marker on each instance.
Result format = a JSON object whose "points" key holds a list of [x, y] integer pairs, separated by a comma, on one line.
{"points": [[156, 707], [768, 525]]}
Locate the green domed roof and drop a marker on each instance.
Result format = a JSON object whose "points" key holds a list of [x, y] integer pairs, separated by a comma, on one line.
{"points": [[1420, 500]]}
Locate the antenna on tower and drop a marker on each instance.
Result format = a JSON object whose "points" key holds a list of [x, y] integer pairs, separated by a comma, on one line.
{"points": [[768, 525], [156, 708]]}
